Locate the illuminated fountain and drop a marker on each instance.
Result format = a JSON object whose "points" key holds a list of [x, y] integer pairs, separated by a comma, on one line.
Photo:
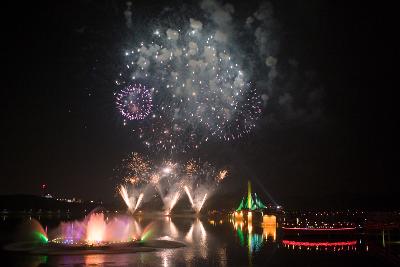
{"points": [[96, 230], [100, 232], [95, 234], [32, 230], [29, 234]]}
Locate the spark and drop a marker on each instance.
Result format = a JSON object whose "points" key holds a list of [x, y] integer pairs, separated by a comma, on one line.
{"points": [[222, 174]]}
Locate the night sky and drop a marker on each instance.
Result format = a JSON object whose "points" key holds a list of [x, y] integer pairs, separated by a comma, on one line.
{"points": [[60, 125]]}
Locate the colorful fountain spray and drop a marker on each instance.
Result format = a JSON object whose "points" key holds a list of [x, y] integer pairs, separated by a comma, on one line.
{"points": [[39, 234], [147, 233], [97, 230]]}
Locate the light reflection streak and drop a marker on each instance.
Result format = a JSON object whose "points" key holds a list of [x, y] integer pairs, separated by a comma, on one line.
{"points": [[319, 244], [197, 236], [170, 228], [94, 259], [189, 235], [269, 227], [334, 246], [252, 240], [319, 229], [166, 256]]}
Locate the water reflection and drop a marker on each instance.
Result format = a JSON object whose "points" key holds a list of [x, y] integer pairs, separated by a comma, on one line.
{"points": [[170, 228], [222, 241], [269, 227], [321, 245], [35, 261], [249, 233], [197, 237], [94, 259], [196, 231], [167, 257]]}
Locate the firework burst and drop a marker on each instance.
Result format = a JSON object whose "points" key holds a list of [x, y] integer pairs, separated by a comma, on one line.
{"points": [[202, 92], [134, 102]]}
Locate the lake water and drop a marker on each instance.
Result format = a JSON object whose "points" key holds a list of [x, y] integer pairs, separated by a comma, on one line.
{"points": [[219, 241]]}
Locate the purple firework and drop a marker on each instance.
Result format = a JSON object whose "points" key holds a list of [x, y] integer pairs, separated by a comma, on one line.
{"points": [[134, 102]]}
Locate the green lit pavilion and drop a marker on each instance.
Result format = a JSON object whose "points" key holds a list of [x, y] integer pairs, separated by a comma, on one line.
{"points": [[251, 202]]}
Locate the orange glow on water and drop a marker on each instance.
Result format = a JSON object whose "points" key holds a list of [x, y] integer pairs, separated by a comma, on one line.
{"points": [[269, 226], [94, 259], [238, 215], [249, 216], [250, 227], [269, 220]]}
